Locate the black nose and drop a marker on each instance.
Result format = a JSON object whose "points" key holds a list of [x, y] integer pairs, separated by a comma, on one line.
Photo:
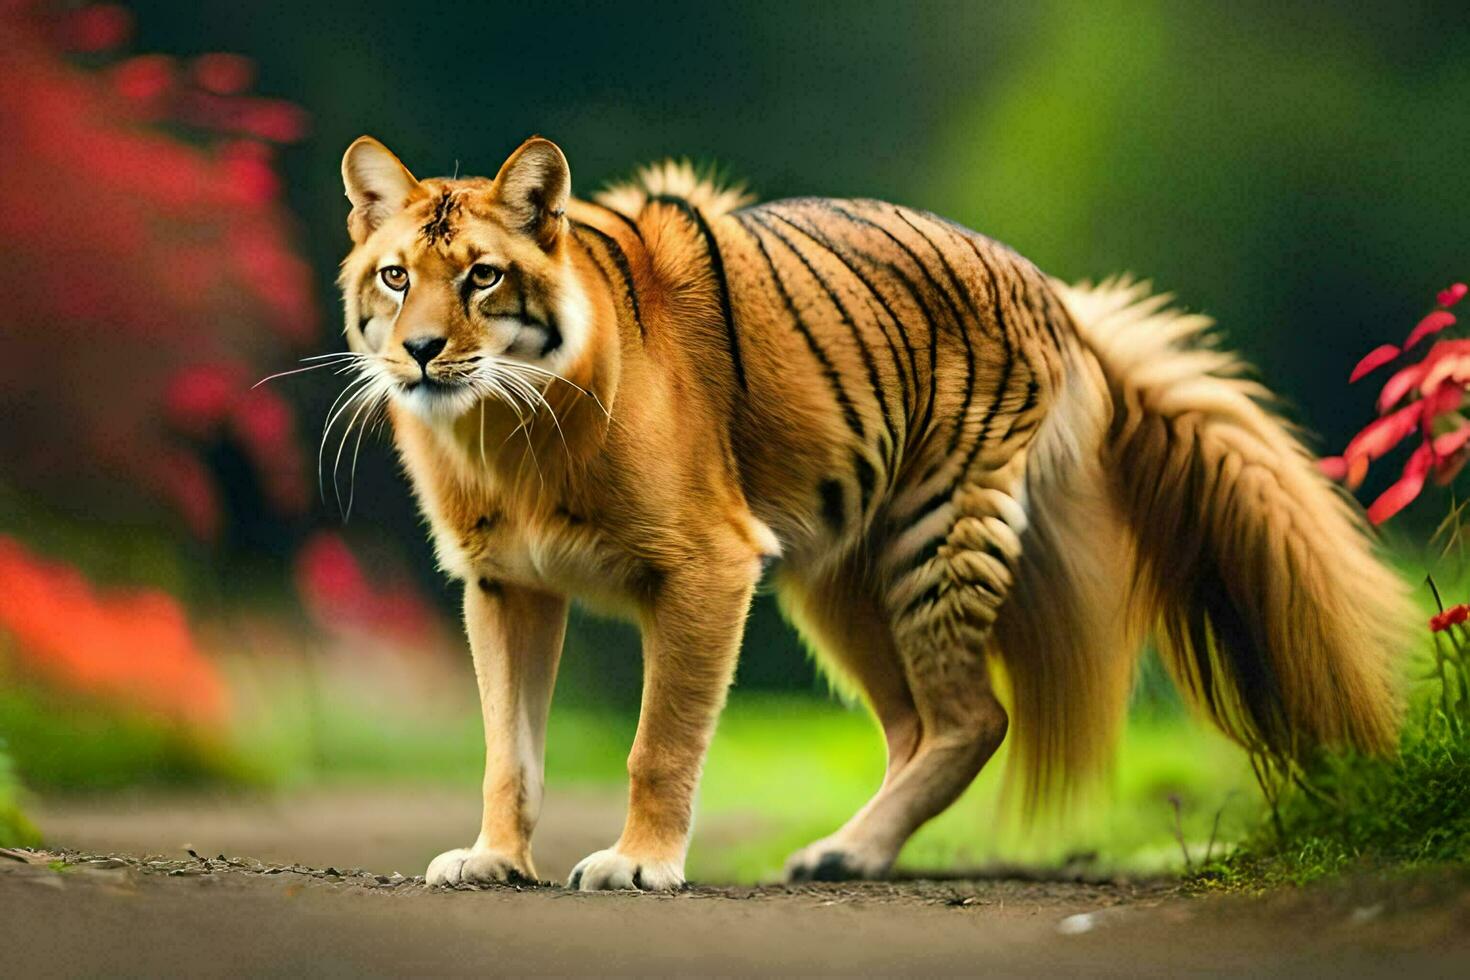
{"points": [[424, 349]]}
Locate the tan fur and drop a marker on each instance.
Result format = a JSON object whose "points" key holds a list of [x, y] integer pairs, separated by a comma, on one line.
{"points": [[1226, 499], [642, 402]]}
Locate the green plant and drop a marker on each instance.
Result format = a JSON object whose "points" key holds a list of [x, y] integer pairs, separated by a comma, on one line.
{"points": [[15, 829], [1346, 812]]}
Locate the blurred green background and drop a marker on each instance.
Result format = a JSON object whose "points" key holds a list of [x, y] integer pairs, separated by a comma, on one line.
{"points": [[1296, 170], [1299, 171]]}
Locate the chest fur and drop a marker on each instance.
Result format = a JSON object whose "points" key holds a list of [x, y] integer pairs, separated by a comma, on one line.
{"points": [[549, 546]]}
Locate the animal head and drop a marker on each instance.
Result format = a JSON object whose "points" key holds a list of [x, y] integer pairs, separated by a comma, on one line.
{"points": [[461, 289]]}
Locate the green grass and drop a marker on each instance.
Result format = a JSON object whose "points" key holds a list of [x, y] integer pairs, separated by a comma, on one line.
{"points": [[1348, 813]]}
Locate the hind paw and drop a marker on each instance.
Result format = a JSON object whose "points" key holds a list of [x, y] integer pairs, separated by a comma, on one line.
{"points": [[830, 860]]}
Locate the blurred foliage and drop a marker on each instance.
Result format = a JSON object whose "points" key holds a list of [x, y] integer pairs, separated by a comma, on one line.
{"points": [[15, 829], [68, 742]]}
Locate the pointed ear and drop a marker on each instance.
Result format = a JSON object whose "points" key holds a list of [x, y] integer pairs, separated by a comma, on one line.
{"points": [[377, 184], [534, 184]]}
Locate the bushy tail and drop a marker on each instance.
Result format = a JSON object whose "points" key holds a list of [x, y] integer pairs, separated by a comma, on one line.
{"points": [[1257, 577]]}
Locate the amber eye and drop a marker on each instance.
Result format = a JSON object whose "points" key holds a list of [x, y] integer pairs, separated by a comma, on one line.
{"points": [[395, 277], [484, 276]]}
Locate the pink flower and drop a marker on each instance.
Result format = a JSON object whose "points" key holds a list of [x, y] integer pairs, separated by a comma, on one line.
{"points": [[1452, 295]]}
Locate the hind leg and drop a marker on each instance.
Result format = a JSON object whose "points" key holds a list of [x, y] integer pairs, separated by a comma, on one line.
{"points": [[842, 617], [934, 626]]}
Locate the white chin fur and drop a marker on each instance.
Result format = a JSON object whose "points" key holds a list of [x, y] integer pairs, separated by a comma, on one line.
{"points": [[437, 404]]}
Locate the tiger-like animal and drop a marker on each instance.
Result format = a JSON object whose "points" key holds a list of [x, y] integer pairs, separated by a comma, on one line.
{"points": [[976, 489]]}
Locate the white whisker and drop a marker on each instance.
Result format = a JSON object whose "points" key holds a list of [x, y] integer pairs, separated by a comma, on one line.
{"points": [[367, 398], [341, 369], [332, 413], [378, 400], [537, 369]]}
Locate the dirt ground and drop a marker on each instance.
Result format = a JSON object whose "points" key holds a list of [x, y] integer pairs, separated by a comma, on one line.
{"points": [[119, 893]]}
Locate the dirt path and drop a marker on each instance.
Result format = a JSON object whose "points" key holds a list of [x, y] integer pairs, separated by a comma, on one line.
{"points": [[75, 913]]}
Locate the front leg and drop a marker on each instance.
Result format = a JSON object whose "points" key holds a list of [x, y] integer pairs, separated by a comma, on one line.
{"points": [[516, 639], [691, 639]]}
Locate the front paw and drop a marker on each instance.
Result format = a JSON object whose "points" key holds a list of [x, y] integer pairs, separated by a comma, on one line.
{"points": [[477, 866], [612, 869]]}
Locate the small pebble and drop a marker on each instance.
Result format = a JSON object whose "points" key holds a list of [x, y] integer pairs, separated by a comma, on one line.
{"points": [[1076, 925], [1365, 913]]}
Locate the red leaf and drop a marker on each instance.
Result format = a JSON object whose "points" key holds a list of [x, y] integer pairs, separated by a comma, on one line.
{"points": [[1385, 433], [1375, 359], [1452, 295], [1431, 324], [1402, 493], [1400, 385]]}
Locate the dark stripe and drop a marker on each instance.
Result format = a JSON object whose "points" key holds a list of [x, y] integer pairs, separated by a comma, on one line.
{"points": [[632, 225], [1032, 278], [1007, 366], [930, 506], [964, 413], [849, 412], [859, 219], [920, 428], [833, 511], [874, 379], [466, 289], [910, 405], [717, 269], [867, 478], [929, 552], [553, 336], [928, 596], [625, 269], [1032, 389]]}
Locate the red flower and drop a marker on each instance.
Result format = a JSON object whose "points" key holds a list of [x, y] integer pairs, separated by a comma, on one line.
{"points": [[133, 647], [195, 264], [340, 595], [1453, 616], [1452, 295], [1435, 388]]}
